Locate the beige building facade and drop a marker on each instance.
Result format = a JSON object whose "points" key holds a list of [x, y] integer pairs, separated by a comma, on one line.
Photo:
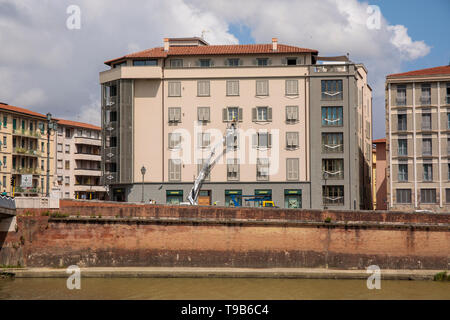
{"points": [[418, 140], [23, 152], [165, 108], [78, 158]]}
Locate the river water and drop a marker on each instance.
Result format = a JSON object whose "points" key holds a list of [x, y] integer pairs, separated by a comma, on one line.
{"points": [[214, 288]]}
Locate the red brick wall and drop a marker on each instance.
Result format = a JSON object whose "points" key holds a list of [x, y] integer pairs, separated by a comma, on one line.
{"points": [[40, 241]]}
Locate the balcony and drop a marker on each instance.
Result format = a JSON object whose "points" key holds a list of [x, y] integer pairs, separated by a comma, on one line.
{"points": [[88, 172], [332, 148], [88, 156], [110, 177], [330, 68], [88, 141], [27, 133], [134, 72], [26, 152], [21, 170]]}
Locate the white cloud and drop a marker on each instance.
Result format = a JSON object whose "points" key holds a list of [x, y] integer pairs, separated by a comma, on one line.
{"points": [[55, 69]]}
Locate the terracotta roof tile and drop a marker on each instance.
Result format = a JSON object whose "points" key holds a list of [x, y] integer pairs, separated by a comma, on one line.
{"points": [[423, 72], [383, 140], [77, 124], [214, 50], [21, 110]]}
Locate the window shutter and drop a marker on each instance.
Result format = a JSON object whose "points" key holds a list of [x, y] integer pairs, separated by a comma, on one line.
{"points": [[225, 63], [197, 63], [288, 139], [269, 62], [289, 169], [178, 170], [295, 175], [171, 142], [178, 114], [284, 61], [229, 88], [269, 140], [206, 115], [255, 141], [295, 113], [178, 89], [241, 62], [240, 114], [199, 140], [200, 114], [254, 114], [255, 62], [269, 114], [211, 63], [288, 113], [171, 170], [224, 115], [295, 139]]}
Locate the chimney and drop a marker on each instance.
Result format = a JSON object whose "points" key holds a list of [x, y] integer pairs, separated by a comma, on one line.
{"points": [[274, 44], [166, 44]]}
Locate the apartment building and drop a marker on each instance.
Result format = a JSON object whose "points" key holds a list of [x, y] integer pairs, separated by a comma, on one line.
{"points": [[78, 159], [418, 139], [23, 151], [304, 125]]}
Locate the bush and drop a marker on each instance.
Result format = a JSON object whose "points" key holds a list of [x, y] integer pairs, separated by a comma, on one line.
{"points": [[441, 276], [328, 220], [59, 215]]}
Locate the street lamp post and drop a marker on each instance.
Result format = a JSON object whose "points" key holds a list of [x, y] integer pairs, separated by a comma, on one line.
{"points": [[143, 170], [51, 125]]}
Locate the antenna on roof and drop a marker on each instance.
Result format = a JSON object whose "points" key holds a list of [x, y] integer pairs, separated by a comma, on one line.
{"points": [[203, 33]]}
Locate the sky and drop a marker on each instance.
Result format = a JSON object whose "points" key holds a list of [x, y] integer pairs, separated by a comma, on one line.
{"points": [[47, 67]]}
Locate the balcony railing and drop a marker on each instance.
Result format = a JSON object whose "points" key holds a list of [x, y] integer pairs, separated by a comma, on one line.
{"points": [[331, 68], [26, 171], [332, 148], [334, 175], [27, 133], [328, 200], [26, 152]]}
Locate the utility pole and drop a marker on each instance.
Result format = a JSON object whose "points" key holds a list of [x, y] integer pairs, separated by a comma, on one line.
{"points": [[143, 170], [51, 125]]}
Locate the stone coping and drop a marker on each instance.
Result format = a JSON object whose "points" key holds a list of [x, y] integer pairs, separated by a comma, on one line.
{"points": [[195, 272]]}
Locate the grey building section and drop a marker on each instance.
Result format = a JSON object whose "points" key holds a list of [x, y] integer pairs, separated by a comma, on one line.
{"points": [[279, 190], [353, 180]]}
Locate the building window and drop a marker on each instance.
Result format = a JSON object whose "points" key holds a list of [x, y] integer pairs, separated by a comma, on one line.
{"points": [[402, 147], [425, 97], [232, 169], [175, 114], [292, 199], [59, 149], [232, 141], [291, 113], [401, 95], [232, 113], [234, 62], [174, 170], [60, 164], [232, 87], [403, 172], [332, 142], [4, 181], [332, 116], [426, 120], [112, 118], [200, 164], [447, 195], [203, 88], [292, 169], [5, 163], [147, 62], [333, 195], [233, 198], [426, 146], [174, 140], [262, 114], [333, 168], [67, 164], [291, 87], [427, 172], [205, 63], [174, 197], [331, 89], [67, 180], [176, 63], [42, 146], [292, 140], [448, 170], [5, 140], [174, 88], [262, 87], [203, 139], [448, 92], [112, 142], [67, 133], [291, 61], [262, 169], [262, 61], [42, 164], [60, 180], [67, 148], [403, 196], [427, 195], [448, 146], [401, 122], [203, 114], [262, 140], [5, 121]]}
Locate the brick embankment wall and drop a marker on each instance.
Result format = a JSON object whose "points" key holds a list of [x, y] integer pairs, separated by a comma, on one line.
{"points": [[138, 235]]}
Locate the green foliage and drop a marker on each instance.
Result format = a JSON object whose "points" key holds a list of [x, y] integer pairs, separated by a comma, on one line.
{"points": [[441, 276], [328, 220], [45, 213], [59, 215]]}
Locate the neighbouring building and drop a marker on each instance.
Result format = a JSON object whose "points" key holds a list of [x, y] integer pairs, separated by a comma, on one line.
{"points": [[78, 160], [23, 151], [380, 187], [418, 139], [305, 124]]}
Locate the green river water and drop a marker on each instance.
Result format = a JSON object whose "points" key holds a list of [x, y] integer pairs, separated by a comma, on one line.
{"points": [[213, 288]]}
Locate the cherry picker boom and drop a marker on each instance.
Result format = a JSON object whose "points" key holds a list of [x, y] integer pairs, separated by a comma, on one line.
{"points": [[230, 136]]}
